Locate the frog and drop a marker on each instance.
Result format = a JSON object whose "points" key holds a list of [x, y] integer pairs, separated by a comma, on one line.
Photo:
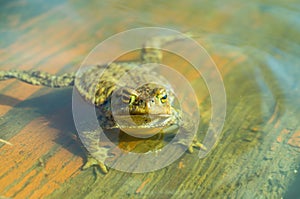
{"points": [[143, 111]]}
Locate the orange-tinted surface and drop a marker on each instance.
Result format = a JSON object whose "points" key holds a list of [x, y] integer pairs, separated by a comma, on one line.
{"points": [[23, 173]]}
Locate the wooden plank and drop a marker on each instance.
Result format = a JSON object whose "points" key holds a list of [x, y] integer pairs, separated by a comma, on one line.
{"points": [[257, 156]]}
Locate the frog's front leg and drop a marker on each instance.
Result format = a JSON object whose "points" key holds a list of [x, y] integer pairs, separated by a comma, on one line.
{"points": [[186, 138], [91, 161], [96, 154]]}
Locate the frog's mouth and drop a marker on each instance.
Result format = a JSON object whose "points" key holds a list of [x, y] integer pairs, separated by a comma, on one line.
{"points": [[143, 126]]}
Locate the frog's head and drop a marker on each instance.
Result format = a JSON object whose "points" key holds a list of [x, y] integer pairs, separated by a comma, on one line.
{"points": [[144, 110], [149, 99]]}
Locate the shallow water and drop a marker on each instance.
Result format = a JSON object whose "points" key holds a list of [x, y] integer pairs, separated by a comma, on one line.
{"points": [[256, 47]]}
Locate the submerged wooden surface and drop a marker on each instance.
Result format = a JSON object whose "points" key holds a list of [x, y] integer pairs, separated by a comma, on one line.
{"points": [[257, 156]]}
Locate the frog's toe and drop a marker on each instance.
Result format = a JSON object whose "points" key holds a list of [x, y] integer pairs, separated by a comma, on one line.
{"points": [[91, 161], [196, 144]]}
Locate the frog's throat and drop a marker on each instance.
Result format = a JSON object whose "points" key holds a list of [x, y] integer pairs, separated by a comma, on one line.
{"points": [[143, 125]]}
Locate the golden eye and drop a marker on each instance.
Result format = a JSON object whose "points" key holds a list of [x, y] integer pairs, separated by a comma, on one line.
{"points": [[132, 99], [163, 99]]}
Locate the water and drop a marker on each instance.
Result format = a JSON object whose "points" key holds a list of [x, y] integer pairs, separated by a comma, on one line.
{"points": [[256, 47]]}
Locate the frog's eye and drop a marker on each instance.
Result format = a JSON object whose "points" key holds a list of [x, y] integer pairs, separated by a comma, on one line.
{"points": [[128, 95], [163, 98], [132, 99]]}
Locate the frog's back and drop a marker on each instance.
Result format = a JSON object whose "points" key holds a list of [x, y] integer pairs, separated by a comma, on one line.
{"points": [[96, 83]]}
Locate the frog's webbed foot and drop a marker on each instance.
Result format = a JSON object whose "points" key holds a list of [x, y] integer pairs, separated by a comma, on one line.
{"points": [[97, 152], [195, 144], [96, 158], [91, 161]]}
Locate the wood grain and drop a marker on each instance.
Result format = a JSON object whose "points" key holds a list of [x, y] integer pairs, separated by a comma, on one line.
{"points": [[257, 155]]}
